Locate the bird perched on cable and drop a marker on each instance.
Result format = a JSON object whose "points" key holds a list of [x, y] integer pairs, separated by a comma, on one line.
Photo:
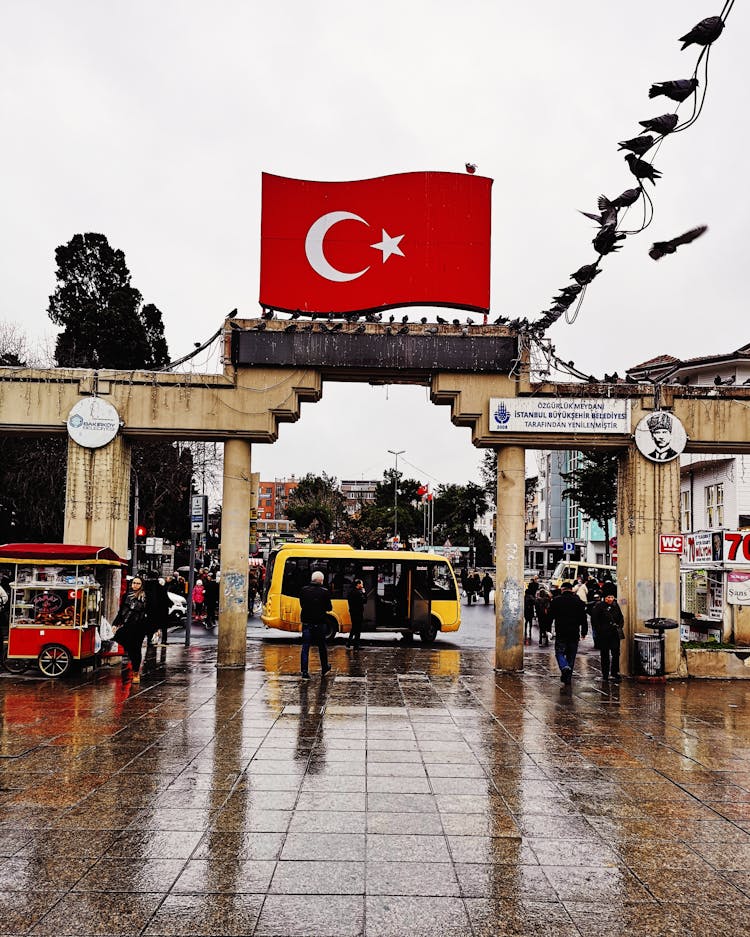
{"points": [[197, 344], [571, 290], [641, 169], [678, 90], [703, 33], [663, 124], [471, 168], [585, 274], [607, 239], [662, 248], [638, 145], [623, 200]]}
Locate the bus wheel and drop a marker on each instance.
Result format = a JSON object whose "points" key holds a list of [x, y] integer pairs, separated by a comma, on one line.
{"points": [[332, 629], [429, 632]]}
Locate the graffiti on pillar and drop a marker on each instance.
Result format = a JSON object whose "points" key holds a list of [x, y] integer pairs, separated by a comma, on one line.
{"points": [[235, 589], [512, 595]]}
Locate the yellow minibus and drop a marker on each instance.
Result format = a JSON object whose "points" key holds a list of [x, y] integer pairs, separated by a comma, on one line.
{"points": [[407, 593]]}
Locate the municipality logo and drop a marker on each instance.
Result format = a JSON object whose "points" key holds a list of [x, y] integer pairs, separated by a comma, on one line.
{"points": [[76, 420], [502, 416]]}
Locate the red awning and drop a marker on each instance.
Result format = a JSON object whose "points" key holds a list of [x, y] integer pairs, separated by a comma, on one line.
{"points": [[59, 553]]}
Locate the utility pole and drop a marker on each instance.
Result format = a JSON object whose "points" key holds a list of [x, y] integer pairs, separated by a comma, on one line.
{"points": [[395, 490], [134, 554]]}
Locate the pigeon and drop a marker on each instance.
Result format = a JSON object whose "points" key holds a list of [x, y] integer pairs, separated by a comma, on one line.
{"points": [[404, 330], [423, 320], [663, 124], [404, 320], [322, 327], [678, 90], [306, 328], [623, 200], [295, 315], [441, 321], [267, 313], [360, 328], [571, 290], [456, 322], [292, 327], [391, 318], [641, 169], [501, 320], [470, 321], [662, 248], [704, 33], [260, 325], [585, 274], [607, 217], [606, 240], [433, 330], [638, 145], [471, 168], [232, 314], [336, 328]]}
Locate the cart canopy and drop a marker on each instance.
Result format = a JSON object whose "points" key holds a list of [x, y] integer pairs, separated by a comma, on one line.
{"points": [[59, 553]]}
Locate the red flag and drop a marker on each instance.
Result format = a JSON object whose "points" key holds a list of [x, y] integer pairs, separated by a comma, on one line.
{"points": [[423, 489], [416, 238]]}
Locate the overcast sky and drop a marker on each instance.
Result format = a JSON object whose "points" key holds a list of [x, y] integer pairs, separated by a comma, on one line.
{"points": [[151, 122]]}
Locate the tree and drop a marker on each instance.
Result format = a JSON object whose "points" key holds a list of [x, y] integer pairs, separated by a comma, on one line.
{"points": [[395, 489], [457, 509], [488, 472], [317, 505], [104, 321], [593, 487]]}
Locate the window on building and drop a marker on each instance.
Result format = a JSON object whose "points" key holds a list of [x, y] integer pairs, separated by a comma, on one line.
{"points": [[685, 510], [714, 500]]}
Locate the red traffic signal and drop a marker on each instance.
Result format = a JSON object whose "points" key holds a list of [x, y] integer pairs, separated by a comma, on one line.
{"points": [[140, 531]]}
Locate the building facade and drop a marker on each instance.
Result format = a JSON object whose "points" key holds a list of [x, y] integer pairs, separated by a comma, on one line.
{"points": [[273, 497]]}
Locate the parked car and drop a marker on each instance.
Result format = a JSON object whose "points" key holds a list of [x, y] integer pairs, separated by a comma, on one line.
{"points": [[177, 607]]}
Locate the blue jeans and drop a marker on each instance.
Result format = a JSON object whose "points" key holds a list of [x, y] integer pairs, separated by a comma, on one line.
{"points": [[313, 634], [565, 652]]}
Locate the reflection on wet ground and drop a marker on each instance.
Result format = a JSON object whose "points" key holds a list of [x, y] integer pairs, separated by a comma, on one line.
{"points": [[413, 792]]}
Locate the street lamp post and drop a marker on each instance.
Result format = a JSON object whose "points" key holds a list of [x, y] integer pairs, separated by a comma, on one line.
{"points": [[395, 453]]}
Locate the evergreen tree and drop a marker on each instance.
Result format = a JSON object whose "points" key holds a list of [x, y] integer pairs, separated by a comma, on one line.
{"points": [[317, 505], [104, 321]]}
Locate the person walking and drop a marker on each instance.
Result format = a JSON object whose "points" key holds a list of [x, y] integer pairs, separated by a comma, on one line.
{"points": [[356, 598], [607, 618], [571, 624], [543, 603], [199, 599], [157, 608], [529, 608], [211, 599], [487, 587], [131, 627], [315, 601]]}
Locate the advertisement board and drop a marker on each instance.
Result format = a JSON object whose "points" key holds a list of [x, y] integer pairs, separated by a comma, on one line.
{"points": [[738, 587]]}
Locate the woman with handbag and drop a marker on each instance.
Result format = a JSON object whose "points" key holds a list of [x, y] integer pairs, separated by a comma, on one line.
{"points": [[131, 626]]}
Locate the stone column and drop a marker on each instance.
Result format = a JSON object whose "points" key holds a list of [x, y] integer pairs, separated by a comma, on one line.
{"points": [[648, 584], [235, 520], [97, 495], [510, 530]]}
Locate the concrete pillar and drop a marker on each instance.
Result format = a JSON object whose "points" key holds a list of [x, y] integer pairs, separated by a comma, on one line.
{"points": [[235, 520], [97, 495], [648, 584], [510, 530]]}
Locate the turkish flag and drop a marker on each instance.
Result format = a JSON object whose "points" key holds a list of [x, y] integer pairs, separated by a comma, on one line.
{"points": [[416, 238]]}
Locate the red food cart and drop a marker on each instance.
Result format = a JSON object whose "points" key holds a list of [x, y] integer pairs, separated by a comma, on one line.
{"points": [[58, 594]]}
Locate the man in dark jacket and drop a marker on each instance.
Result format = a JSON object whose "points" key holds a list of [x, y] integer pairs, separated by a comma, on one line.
{"points": [[606, 618], [356, 599], [571, 624], [315, 602]]}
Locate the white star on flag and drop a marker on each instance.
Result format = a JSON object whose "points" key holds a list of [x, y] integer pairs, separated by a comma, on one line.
{"points": [[389, 245]]}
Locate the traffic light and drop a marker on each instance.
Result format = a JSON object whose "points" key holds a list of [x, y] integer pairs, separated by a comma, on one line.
{"points": [[140, 533]]}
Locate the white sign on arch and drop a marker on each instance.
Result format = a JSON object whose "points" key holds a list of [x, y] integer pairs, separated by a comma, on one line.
{"points": [[93, 423]]}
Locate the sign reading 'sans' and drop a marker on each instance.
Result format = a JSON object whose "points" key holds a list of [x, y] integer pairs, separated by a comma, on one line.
{"points": [[559, 415]]}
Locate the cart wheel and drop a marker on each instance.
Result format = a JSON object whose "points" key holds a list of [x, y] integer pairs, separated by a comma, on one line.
{"points": [[16, 665], [54, 660]]}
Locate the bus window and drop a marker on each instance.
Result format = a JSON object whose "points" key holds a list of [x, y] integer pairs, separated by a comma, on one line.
{"points": [[296, 575], [442, 584]]}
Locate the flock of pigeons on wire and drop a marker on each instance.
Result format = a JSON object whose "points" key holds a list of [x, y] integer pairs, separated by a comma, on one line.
{"points": [[610, 215]]}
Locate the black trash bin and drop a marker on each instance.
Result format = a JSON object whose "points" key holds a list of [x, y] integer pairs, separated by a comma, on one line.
{"points": [[648, 651]]}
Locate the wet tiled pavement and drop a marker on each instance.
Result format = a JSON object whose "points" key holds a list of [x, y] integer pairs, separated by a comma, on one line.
{"points": [[414, 792]]}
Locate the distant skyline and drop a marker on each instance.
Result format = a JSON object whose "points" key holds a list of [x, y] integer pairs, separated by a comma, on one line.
{"points": [[152, 123]]}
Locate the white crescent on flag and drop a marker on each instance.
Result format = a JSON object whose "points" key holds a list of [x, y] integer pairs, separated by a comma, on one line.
{"points": [[314, 246]]}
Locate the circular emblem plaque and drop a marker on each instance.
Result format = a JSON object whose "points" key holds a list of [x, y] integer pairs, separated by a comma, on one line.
{"points": [[93, 423], [660, 437]]}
